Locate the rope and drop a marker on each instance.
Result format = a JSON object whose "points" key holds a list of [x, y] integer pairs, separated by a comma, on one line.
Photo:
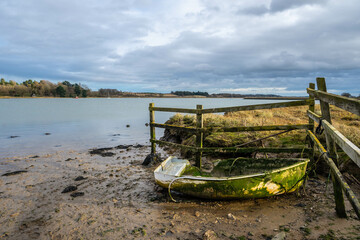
{"points": [[319, 130], [308, 171], [259, 139], [233, 164]]}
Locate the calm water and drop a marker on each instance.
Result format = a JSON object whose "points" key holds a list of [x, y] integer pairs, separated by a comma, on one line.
{"points": [[86, 123]]}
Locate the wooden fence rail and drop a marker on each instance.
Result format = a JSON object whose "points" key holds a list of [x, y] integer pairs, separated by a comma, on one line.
{"points": [[348, 104], [234, 129], [232, 109], [348, 192]]}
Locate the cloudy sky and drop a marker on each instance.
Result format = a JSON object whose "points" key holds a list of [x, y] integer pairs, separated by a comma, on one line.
{"points": [[263, 46]]}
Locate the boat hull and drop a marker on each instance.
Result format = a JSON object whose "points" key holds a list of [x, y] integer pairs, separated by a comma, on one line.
{"points": [[266, 184]]}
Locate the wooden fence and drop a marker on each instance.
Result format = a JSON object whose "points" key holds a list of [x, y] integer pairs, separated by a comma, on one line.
{"points": [[199, 129], [332, 135], [333, 139]]}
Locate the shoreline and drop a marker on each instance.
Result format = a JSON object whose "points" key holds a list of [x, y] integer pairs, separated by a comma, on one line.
{"points": [[202, 97], [118, 198]]}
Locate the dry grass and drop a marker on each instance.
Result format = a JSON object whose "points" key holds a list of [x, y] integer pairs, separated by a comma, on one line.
{"points": [[347, 123]]}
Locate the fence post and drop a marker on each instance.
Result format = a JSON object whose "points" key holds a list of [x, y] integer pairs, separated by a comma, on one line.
{"points": [[152, 128], [199, 135], [311, 107], [331, 149]]}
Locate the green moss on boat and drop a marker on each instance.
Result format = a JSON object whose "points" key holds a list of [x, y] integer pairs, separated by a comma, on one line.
{"points": [[233, 178]]}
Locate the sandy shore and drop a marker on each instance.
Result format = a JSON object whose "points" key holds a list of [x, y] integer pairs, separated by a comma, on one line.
{"points": [[118, 199]]}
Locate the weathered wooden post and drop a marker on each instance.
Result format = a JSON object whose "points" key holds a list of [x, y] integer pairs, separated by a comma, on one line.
{"points": [[311, 107], [152, 128], [331, 148], [199, 134]]}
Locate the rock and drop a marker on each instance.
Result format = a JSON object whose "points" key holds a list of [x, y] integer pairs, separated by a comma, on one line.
{"points": [[77, 194], [197, 214], [13, 173], [231, 217], [127, 125], [209, 235], [35, 156], [79, 178], [14, 136], [116, 135], [69, 189], [47, 133], [138, 146], [150, 158], [102, 152], [300, 205], [122, 146], [69, 159], [279, 236], [15, 214], [107, 154]]}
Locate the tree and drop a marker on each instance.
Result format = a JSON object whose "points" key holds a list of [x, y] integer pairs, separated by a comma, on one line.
{"points": [[12, 83], [77, 89], [28, 83], [84, 93], [60, 91], [67, 83], [2, 81], [346, 94]]}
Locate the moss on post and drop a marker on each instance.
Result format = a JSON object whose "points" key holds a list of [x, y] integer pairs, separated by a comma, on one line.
{"points": [[152, 128], [331, 147], [199, 134], [311, 107]]}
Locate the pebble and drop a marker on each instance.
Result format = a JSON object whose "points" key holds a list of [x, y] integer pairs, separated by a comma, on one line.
{"points": [[80, 178], [279, 236], [230, 216], [209, 235], [14, 215], [77, 194], [69, 189]]}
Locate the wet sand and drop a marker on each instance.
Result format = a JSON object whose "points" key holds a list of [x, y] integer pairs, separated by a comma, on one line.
{"points": [[118, 199]]}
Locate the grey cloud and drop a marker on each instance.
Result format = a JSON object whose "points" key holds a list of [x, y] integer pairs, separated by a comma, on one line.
{"points": [[281, 5], [105, 44], [278, 6]]}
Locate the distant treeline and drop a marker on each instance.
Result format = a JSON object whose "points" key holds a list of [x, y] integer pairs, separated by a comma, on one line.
{"points": [[349, 95], [187, 93], [43, 88]]}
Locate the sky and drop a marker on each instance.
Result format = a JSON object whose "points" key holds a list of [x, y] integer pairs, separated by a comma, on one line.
{"points": [[246, 47]]}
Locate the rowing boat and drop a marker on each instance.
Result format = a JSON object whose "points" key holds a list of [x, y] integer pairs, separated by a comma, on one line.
{"points": [[232, 178]]}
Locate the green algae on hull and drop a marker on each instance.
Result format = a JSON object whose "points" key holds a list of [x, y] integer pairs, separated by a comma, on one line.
{"points": [[242, 178]]}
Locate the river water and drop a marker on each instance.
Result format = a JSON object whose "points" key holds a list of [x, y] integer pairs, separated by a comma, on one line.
{"points": [[45, 125]]}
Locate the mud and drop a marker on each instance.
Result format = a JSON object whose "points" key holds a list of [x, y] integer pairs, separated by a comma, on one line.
{"points": [[121, 201]]}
